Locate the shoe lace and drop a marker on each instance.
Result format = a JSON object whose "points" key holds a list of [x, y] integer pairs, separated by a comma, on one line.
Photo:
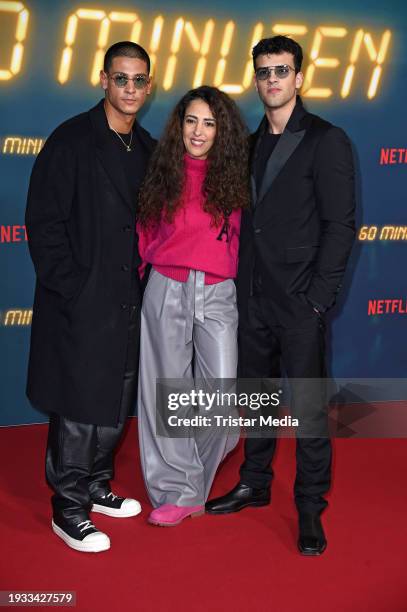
{"points": [[87, 525], [112, 495]]}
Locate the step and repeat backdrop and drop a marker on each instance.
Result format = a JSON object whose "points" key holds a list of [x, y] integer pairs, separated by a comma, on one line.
{"points": [[355, 76]]}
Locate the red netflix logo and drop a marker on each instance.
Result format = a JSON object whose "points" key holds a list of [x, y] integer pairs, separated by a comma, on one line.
{"points": [[12, 233], [393, 156], [380, 307]]}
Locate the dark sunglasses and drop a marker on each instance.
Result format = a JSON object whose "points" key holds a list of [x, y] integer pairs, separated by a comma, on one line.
{"points": [[140, 81], [281, 72]]}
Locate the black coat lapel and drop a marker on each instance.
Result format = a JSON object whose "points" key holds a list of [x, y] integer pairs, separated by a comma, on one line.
{"points": [[107, 152], [287, 144], [254, 147], [253, 189], [283, 150]]}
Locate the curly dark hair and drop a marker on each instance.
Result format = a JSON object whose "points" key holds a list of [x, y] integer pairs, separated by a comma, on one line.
{"points": [[226, 185], [277, 45]]}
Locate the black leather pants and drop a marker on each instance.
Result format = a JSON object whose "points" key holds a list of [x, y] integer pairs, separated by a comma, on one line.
{"points": [[80, 457], [79, 464]]}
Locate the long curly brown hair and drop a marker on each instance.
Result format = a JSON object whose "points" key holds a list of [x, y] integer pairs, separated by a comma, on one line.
{"points": [[226, 184]]}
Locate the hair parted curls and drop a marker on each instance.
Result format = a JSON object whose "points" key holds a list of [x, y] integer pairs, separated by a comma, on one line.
{"points": [[226, 185]]}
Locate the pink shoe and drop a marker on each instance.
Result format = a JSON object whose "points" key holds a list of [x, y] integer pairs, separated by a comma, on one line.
{"points": [[169, 515]]}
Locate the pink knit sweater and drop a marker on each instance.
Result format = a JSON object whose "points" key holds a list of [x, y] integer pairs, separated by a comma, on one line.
{"points": [[190, 242]]}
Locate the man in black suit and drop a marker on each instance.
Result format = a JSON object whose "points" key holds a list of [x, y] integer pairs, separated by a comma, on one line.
{"points": [[81, 222], [294, 245]]}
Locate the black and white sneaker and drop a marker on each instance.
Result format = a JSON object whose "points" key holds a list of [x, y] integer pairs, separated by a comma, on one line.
{"points": [[113, 505], [82, 536]]}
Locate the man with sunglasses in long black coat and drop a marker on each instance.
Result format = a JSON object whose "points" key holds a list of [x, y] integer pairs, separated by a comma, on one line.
{"points": [[81, 222], [294, 246]]}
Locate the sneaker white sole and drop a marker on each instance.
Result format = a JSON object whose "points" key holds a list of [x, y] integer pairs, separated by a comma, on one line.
{"points": [[126, 512], [99, 543]]}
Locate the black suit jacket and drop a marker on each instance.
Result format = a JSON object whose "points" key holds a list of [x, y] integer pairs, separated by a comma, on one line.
{"points": [[81, 234], [299, 231]]}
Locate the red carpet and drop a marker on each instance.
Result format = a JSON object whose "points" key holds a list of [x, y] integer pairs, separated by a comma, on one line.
{"points": [[245, 561]]}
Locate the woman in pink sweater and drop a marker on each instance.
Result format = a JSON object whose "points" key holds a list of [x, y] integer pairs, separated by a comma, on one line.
{"points": [[189, 223]]}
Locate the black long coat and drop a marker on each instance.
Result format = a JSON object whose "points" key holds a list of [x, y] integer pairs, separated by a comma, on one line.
{"points": [[300, 229], [81, 234]]}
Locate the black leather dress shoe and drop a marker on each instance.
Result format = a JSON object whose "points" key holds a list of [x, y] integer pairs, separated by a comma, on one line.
{"points": [[311, 541], [238, 498]]}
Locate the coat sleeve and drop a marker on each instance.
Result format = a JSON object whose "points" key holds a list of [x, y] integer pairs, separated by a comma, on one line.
{"points": [[49, 205], [335, 195]]}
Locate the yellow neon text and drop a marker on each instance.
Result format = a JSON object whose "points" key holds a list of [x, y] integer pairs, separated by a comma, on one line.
{"points": [[321, 62], [377, 57], [387, 232], [22, 145], [105, 21], [214, 45], [199, 46], [21, 31], [204, 43], [17, 318]]}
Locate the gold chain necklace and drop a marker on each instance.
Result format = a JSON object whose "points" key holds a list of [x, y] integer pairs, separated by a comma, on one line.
{"points": [[128, 146]]}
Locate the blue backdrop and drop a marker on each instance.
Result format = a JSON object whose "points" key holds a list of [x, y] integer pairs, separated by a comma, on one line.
{"points": [[355, 77]]}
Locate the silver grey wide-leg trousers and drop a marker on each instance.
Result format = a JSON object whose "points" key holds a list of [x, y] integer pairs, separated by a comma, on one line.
{"points": [[188, 330]]}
